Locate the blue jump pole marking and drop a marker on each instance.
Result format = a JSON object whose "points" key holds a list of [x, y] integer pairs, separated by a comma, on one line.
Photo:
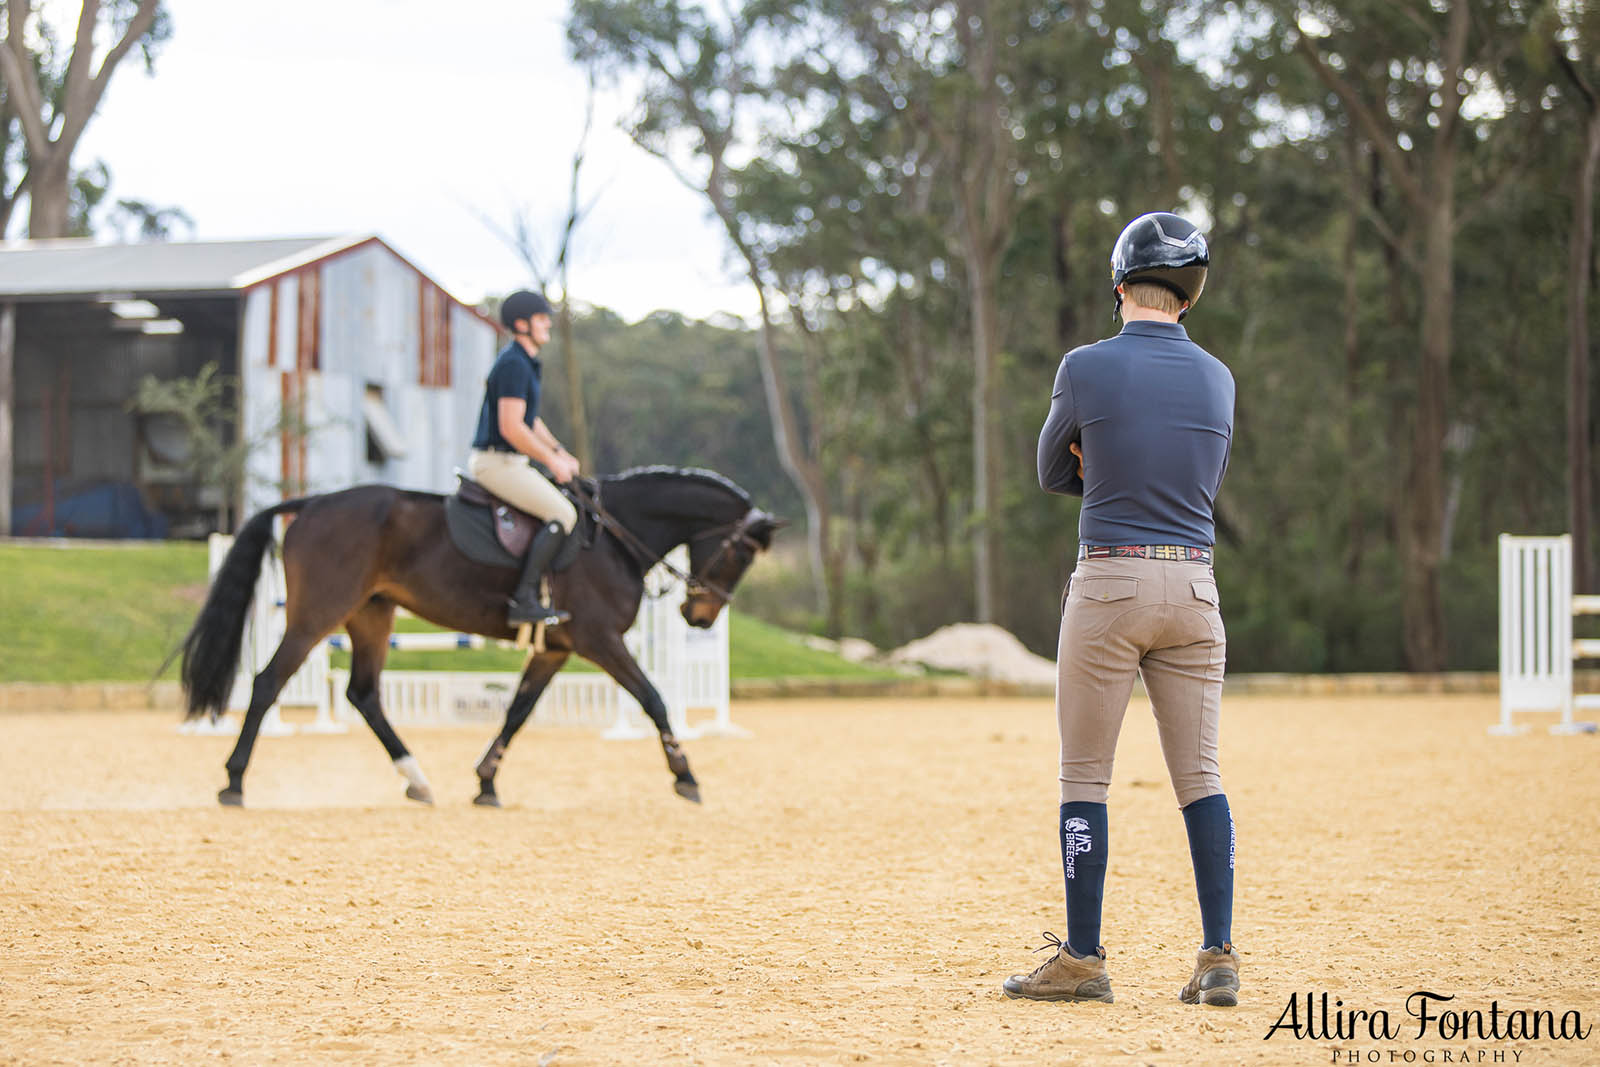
{"points": [[423, 642]]}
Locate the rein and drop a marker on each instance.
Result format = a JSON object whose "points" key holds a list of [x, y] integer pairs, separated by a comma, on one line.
{"points": [[736, 532]]}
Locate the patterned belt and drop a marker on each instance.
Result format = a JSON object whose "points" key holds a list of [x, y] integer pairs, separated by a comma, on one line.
{"points": [[1174, 553]]}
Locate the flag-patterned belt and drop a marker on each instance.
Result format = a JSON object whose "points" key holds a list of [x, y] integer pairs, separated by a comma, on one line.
{"points": [[1174, 553]]}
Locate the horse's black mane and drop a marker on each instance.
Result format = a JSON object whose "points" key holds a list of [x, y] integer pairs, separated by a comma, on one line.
{"points": [[698, 474]]}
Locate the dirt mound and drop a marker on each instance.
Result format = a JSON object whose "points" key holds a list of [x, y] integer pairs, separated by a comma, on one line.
{"points": [[980, 649]]}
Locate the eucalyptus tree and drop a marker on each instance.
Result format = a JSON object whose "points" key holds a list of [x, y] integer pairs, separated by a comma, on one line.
{"points": [[52, 89], [848, 203], [1565, 37], [1443, 83], [703, 81]]}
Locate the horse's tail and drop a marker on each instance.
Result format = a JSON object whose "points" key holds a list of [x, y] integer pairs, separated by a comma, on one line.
{"points": [[211, 649]]}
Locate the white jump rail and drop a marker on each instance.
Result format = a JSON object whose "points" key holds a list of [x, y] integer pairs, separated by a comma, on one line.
{"points": [[689, 668], [1537, 649]]}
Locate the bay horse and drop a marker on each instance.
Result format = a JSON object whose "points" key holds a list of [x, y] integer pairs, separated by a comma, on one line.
{"points": [[351, 557]]}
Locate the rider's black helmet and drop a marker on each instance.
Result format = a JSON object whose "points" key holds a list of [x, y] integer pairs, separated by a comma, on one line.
{"points": [[522, 305], [1164, 249]]}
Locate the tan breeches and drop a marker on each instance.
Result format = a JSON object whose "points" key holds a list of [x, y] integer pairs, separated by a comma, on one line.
{"points": [[1158, 619], [509, 476]]}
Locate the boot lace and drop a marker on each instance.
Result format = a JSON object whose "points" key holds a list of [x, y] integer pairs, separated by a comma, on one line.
{"points": [[1050, 941]]}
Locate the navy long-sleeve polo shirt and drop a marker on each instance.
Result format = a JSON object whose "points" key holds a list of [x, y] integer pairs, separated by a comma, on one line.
{"points": [[1153, 414]]}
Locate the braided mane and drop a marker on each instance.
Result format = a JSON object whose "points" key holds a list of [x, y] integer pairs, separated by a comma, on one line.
{"points": [[696, 474]]}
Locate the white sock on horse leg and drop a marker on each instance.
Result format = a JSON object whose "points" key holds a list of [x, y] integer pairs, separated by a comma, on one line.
{"points": [[411, 771]]}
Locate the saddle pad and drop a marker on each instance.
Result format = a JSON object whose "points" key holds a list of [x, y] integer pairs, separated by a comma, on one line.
{"points": [[472, 530]]}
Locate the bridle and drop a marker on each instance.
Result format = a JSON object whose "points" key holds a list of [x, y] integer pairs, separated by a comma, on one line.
{"points": [[733, 533], [736, 533]]}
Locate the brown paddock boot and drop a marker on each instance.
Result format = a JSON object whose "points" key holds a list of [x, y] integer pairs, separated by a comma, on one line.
{"points": [[1216, 978], [1063, 976]]}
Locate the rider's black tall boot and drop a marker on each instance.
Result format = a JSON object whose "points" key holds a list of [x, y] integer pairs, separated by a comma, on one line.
{"points": [[525, 606]]}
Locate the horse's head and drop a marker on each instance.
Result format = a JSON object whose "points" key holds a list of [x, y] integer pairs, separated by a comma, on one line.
{"points": [[718, 558], [663, 507]]}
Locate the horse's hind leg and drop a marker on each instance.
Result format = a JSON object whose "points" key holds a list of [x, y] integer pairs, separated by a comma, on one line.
{"points": [[369, 628], [535, 678], [320, 591], [268, 684]]}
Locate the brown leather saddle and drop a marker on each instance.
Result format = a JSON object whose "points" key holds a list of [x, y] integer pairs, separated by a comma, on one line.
{"points": [[513, 528], [489, 530]]}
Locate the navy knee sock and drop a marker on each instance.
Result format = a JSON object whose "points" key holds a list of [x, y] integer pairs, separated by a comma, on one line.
{"points": [[1083, 860], [1210, 826]]}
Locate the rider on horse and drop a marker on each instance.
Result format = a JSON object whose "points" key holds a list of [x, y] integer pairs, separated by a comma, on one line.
{"points": [[509, 434]]}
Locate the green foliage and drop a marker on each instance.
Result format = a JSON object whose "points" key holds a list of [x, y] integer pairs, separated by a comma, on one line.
{"points": [[139, 220], [671, 390], [206, 406], [847, 193]]}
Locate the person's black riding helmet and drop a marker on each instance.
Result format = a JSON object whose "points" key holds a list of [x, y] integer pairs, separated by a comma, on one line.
{"points": [[1164, 249], [522, 304]]}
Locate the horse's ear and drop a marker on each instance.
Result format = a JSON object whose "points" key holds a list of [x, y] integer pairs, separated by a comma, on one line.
{"points": [[764, 527]]}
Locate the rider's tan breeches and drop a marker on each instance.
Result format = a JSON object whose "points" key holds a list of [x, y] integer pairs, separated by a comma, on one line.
{"points": [[508, 476]]}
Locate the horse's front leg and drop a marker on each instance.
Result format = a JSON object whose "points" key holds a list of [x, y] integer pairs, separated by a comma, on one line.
{"points": [[535, 678], [614, 658]]}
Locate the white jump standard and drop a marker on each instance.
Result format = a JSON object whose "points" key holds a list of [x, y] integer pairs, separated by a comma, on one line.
{"points": [[1537, 649]]}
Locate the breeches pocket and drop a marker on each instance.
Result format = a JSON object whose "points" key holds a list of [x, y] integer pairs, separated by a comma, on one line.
{"points": [[1107, 589]]}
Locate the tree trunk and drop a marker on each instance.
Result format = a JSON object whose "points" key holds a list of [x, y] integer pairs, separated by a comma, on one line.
{"points": [[986, 197], [1355, 440], [1423, 531], [575, 410], [1061, 240], [1158, 70], [833, 558], [1579, 270], [8, 337], [866, 550], [50, 199], [910, 349], [791, 455], [981, 270]]}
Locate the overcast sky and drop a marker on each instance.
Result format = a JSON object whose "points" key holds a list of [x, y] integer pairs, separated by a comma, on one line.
{"points": [[356, 116]]}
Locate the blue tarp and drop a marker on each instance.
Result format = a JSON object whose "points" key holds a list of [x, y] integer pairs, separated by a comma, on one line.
{"points": [[109, 511]]}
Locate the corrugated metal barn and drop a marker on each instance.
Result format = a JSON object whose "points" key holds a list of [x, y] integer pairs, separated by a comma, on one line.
{"points": [[351, 366]]}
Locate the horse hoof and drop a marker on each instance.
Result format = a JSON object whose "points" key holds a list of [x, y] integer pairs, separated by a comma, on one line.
{"points": [[687, 790], [486, 800], [231, 798], [418, 793]]}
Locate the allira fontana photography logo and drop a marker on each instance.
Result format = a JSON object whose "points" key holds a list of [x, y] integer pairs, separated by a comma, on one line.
{"points": [[1455, 1033]]}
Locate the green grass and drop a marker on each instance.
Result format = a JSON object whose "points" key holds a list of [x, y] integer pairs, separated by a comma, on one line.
{"points": [[758, 649], [90, 613], [96, 614]]}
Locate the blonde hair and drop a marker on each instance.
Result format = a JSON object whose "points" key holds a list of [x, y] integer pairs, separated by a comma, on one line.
{"points": [[1152, 296]]}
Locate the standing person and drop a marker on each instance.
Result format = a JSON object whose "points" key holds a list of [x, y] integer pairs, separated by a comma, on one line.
{"points": [[510, 432], [1140, 426]]}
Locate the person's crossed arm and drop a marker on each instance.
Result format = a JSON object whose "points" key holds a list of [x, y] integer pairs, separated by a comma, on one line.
{"points": [[1060, 458]]}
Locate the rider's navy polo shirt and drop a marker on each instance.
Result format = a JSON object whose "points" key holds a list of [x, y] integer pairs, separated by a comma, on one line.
{"points": [[1153, 413], [514, 374]]}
